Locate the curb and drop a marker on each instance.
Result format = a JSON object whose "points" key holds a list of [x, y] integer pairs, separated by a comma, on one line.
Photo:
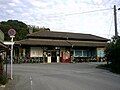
{"points": [[2, 86]]}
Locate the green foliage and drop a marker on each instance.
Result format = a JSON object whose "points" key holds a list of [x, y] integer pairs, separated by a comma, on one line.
{"points": [[104, 66], [37, 28], [113, 55], [20, 27], [1, 66], [3, 79]]}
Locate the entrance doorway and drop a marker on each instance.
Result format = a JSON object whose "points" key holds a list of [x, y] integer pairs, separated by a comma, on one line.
{"points": [[53, 56]]}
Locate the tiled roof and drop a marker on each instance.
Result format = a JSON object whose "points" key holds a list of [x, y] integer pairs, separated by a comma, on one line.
{"points": [[51, 42], [65, 36]]}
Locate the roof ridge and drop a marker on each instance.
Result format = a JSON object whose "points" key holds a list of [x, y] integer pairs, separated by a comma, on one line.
{"points": [[58, 32], [36, 32], [68, 32], [72, 35]]}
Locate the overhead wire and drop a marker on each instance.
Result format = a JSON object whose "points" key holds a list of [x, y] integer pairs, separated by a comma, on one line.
{"points": [[61, 14], [85, 12]]}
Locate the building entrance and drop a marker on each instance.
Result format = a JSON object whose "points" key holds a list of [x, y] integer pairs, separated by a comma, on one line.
{"points": [[53, 56]]}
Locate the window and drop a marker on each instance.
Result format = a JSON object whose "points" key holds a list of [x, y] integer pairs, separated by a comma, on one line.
{"points": [[84, 53], [80, 53], [89, 53], [100, 53], [36, 52]]}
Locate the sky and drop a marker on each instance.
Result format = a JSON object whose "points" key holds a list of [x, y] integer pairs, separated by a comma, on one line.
{"points": [[79, 16]]}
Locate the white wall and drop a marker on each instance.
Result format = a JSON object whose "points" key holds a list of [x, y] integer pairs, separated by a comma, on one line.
{"points": [[36, 52]]}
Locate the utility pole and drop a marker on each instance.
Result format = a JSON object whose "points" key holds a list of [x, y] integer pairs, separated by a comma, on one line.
{"points": [[115, 21]]}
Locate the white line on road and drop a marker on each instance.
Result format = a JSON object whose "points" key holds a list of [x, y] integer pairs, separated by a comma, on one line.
{"points": [[31, 83]]}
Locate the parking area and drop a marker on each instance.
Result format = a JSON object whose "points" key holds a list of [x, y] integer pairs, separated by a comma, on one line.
{"points": [[67, 76]]}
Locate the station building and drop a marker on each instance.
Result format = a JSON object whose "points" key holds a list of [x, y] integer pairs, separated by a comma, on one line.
{"points": [[64, 47]]}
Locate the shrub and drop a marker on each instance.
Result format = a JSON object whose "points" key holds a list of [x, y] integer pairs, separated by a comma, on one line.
{"points": [[3, 79], [112, 54]]}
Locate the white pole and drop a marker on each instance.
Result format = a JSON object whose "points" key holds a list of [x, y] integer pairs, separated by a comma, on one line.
{"points": [[11, 33], [11, 70]]}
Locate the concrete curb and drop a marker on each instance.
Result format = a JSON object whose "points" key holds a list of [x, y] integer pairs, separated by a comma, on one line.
{"points": [[2, 87]]}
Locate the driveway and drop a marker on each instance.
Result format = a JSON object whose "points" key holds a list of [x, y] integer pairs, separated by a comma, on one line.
{"points": [[82, 76]]}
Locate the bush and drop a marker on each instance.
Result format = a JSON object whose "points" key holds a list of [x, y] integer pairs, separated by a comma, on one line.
{"points": [[112, 54], [115, 68], [3, 79], [103, 66]]}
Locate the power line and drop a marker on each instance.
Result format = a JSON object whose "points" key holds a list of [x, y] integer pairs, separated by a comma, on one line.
{"points": [[80, 12]]}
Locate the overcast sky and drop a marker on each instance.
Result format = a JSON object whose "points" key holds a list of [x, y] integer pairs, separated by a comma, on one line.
{"points": [[79, 16]]}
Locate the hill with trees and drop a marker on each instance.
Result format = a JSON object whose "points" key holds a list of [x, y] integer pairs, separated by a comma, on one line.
{"points": [[21, 28]]}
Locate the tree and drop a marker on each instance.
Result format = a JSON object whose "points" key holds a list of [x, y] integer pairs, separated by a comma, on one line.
{"points": [[20, 27], [113, 55], [37, 28]]}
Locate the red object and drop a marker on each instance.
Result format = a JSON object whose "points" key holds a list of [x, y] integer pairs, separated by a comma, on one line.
{"points": [[66, 57]]}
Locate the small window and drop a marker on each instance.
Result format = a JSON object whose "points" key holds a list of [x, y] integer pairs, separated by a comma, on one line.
{"points": [[78, 53], [84, 53], [89, 54]]}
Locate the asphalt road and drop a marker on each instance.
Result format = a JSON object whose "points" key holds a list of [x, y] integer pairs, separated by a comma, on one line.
{"points": [[83, 76]]}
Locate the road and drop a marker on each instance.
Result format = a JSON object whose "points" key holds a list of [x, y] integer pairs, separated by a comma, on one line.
{"points": [[82, 76]]}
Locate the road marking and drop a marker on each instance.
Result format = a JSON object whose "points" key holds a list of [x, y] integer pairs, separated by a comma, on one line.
{"points": [[31, 83]]}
